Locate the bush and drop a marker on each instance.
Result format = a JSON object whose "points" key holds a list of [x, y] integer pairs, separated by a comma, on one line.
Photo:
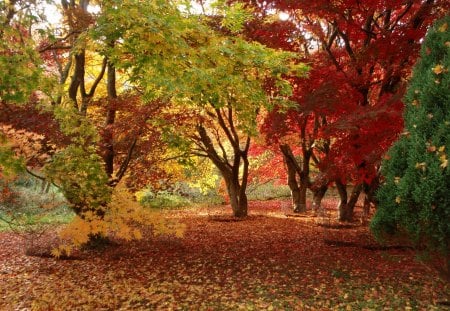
{"points": [[267, 191], [30, 210], [415, 198], [163, 200], [181, 195]]}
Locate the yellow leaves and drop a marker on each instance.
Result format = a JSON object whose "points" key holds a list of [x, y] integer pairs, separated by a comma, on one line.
{"points": [[443, 27], [440, 152], [398, 200], [137, 234], [415, 102], [442, 157], [406, 133], [444, 161], [123, 218], [397, 180], [438, 69], [422, 166]]}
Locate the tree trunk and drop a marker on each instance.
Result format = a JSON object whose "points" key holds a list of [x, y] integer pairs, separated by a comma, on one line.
{"points": [[229, 167], [318, 195], [342, 208], [301, 204], [242, 208], [347, 206], [298, 193], [238, 198], [110, 119], [366, 210]]}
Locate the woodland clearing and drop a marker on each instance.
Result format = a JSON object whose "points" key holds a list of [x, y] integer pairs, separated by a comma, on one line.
{"points": [[270, 260]]}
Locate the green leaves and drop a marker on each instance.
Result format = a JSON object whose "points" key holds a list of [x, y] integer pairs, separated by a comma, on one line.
{"points": [[171, 55], [19, 66], [234, 15], [415, 197], [78, 170], [10, 164]]}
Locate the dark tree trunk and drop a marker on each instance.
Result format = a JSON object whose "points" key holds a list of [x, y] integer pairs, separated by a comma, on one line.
{"points": [[110, 119], [354, 199], [366, 210], [342, 208], [238, 197], [293, 183], [347, 205], [230, 168], [369, 197], [318, 195], [301, 207], [298, 186]]}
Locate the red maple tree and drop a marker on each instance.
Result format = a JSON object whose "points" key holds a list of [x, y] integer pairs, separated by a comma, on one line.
{"points": [[365, 51]]}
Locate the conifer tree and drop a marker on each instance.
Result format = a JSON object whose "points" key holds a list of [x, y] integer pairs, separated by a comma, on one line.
{"points": [[415, 198]]}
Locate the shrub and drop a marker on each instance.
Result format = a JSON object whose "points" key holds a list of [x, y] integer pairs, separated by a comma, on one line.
{"points": [[415, 198]]}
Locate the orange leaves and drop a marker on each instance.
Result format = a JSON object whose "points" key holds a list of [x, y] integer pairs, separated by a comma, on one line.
{"points": [[438, 69], [440, 153], [444, 160], [260, 263], [29, 145], [443, 27], [123, 219]]}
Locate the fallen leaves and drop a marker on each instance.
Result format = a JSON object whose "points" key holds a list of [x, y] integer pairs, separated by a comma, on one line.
{"points": [[266, 261]]}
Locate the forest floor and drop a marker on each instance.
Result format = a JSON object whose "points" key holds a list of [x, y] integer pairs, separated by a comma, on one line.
{"points": [[268, 261]]}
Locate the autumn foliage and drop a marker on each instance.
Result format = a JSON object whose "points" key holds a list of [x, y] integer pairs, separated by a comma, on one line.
{"points": [[127, 97], [266, 261], [361, 56]]}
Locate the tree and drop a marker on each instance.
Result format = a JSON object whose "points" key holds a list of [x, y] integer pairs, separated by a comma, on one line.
{"points": [[82, 133], [414, 197], [19, 61], [297, 134], [217, 80], [370, 48]]}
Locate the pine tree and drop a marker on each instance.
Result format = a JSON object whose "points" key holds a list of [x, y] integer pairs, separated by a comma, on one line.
{"points": [[415, 198]]}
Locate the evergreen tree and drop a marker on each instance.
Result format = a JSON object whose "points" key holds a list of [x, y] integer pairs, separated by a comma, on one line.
{"points": [[415, 198]]}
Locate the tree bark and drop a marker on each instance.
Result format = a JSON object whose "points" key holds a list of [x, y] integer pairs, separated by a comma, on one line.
{"points": [[343, 196], [292, 181], [366, 210], [238, 199], [318, 195], [230, 169], [298, 186], [347, 205], [110, 119], [354, 199]]}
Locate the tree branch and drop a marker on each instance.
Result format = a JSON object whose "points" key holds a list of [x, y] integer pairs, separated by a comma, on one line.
{"points": [[99, 77], [127, 160]]}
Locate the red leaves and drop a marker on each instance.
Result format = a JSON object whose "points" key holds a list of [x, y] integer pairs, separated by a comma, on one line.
{"points": [[360, 54], [266, 261]]}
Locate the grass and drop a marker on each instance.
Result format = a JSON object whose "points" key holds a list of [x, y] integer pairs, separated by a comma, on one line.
{"points": [[27, 221], [33, 207]]}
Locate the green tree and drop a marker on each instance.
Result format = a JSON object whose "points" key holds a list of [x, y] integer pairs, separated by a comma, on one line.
{"points": [[415, 198], [218, 80]]}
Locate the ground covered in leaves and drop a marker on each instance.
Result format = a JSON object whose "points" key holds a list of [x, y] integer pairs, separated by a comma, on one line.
{"points": [[269, 261]]}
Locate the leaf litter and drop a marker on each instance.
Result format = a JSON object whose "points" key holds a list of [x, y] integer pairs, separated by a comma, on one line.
{"points": [[268, 261]]}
